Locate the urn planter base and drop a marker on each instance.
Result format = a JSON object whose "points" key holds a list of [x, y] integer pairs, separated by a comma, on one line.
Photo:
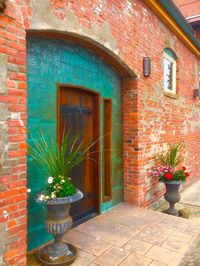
{"points": [[58, 223], [172, 196], [171, 211], [69, 254]]}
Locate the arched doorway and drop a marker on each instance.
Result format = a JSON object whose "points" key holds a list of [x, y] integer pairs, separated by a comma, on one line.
{"points": [[56, 67]]}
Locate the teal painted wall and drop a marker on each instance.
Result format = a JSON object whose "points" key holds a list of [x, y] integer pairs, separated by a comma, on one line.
{"points": [[49, 62]]}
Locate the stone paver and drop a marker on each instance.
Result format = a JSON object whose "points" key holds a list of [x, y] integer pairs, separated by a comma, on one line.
{"points": [[112, 257], [156, 263], [86, 243], [113, 233], [183, 237], [137, 246], [129, 236], [164, 255], [155, 234], [191, 195], [136, 260], [83, 258], [175, 245]]}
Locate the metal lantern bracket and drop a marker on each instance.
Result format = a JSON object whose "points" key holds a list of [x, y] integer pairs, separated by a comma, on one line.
{"points": [[146, 66], [197, 92]]}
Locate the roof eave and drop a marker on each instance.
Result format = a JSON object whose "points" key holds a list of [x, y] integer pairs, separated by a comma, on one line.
{"points": [[173, 19]]}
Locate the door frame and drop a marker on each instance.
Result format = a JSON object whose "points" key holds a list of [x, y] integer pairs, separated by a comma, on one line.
{"points": [[97, 187]]}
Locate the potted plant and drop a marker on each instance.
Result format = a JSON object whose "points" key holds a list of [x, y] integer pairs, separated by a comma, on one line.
{"points": [[169, 172], [56, 162]]}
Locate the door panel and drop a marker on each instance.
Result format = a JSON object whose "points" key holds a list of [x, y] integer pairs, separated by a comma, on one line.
{"points": [[77, 114]]}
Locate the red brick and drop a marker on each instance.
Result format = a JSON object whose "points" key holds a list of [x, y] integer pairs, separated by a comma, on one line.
{"points": [[11, 223], [22, 85], [12, 253], [18, 153]]}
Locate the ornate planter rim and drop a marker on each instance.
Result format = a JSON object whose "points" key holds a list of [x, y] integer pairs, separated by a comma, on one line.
{"points": [[64, 200], [172, 182]]}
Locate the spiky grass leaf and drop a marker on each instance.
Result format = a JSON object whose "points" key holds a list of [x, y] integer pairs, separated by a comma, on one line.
{"points": [[54, 160], [172, 157]]}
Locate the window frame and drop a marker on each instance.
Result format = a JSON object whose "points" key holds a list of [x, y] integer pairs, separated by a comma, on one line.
{"points": [[107, 149], [173, 61]]}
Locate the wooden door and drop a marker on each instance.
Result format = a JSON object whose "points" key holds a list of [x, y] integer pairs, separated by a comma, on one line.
{"points": [[78, 112]]}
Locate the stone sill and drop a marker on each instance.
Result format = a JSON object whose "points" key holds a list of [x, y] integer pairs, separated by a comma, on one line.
{"points": [[171, 95]]}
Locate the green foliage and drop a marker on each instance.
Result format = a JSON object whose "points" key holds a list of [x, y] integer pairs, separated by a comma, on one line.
{"points": [[57, 162], [60, 187], [172, 157], [179, 175], [166, 168]]}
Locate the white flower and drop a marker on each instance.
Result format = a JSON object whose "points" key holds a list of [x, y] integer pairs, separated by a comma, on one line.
{"points": [[62, 181], [50, 180], [41, 197], [28, 190], [53, 195]]}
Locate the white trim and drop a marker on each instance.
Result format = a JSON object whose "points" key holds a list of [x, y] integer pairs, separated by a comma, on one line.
{"points": [[173, 61], [195, 16]]}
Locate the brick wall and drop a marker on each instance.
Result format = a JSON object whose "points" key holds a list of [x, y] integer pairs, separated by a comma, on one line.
{"points": [[13, 135], [151, 119], [188, 7]]}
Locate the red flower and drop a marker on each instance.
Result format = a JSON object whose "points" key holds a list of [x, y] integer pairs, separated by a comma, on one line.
{"points": [[168, 176], [184, 168], [187, 174]]}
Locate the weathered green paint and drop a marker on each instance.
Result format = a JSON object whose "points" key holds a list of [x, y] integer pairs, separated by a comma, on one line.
{"points": [[51, 62], [171, 53]]}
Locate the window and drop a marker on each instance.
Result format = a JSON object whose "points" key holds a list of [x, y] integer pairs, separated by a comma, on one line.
{"points": [[107, 145], [169, 71]]}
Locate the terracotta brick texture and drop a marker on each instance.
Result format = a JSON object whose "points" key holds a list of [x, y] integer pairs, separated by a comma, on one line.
{"points": [[188, 7], [151, 119]]}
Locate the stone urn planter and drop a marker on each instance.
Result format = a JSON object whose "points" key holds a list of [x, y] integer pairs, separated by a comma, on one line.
{"points": [[172, 196], [57, 223]]}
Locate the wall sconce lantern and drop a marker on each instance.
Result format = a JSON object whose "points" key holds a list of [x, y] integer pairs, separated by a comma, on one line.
{"points": [[2, 5], [197, 92], [146, 66]]}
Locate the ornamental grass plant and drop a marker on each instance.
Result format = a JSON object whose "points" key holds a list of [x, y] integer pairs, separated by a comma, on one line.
{"points": [[56, 162], [168, 165]]}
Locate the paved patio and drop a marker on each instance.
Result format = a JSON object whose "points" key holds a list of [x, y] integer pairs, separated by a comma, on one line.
{"points": [[191, 195], [129, 236]]}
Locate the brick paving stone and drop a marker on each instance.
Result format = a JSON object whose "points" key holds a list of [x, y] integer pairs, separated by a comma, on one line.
{"points": [[112, 257], [83, 259], [183, 237], [175, 245], [137, 246], [112, 233], [156, 263], [164, 255], [137, 220], [119, 235], [171, 221], [85, 242], [155, 234], [193, 229], [135, 260], [97, 229]]}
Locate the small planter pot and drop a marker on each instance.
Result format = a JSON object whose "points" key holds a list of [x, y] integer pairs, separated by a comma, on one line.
{"points": [[172, 196], [57, 223]]}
